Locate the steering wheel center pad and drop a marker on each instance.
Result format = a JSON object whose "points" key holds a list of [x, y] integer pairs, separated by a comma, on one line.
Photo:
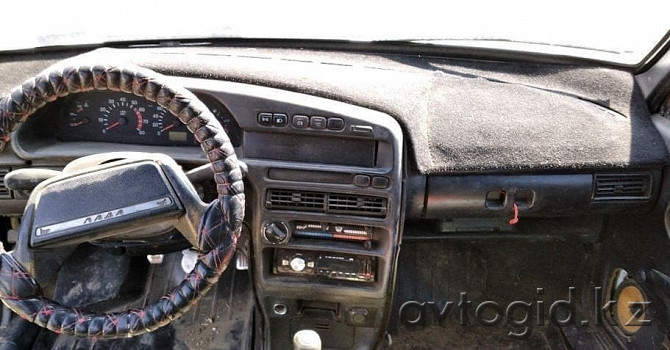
{"points": [[108, 200], [218, 231]]}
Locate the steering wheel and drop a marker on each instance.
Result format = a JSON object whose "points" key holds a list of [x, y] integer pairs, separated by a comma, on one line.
{"points": [[118, 195]]}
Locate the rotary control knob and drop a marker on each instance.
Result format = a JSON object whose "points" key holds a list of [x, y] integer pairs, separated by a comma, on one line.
{"points": [[298, 263], [276, 232]]}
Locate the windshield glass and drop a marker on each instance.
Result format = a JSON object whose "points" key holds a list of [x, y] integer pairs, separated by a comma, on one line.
{"points": [[617, 31]]}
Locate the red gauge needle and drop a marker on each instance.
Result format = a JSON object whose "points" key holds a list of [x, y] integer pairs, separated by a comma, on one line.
{"points": [[113, 126], [168, 127], [80, 122]]}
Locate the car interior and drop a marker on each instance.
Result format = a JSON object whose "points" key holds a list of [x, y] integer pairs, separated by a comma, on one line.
{"points": [[325, 194]]}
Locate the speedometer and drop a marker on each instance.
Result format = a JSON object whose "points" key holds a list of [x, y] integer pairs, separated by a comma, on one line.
{"points": [[164, 124]]}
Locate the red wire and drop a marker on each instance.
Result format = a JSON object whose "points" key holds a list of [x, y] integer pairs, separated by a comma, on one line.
{"points": [[515, 219]]}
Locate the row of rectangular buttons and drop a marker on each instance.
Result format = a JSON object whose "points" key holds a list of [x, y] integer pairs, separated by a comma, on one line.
{"points": [[316, 122], [365, 181], [269, 119], [301, 121]]}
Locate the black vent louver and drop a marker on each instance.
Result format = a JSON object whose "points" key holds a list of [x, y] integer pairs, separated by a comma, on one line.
{"points": [[4, 191], [622, 186], [321, 202], [296, 200], [356, 205]]}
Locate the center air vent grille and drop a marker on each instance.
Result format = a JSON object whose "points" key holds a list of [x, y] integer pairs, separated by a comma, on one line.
{"points": [[321, 202], [622, 186], [296, 200]]}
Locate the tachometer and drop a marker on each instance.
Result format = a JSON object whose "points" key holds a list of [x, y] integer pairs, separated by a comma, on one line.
{"points": [[123, 115]]}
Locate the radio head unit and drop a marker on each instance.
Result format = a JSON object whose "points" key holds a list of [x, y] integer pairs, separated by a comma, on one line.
{"points": [[325, 264]]}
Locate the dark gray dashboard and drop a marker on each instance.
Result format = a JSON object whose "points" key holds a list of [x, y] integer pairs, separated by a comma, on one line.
{"points": [[343, 147], [459, 115]]}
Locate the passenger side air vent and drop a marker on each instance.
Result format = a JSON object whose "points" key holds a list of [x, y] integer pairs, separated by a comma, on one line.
{"points": [[622, 186], [356, 205], [4, 191], [320, 202]]}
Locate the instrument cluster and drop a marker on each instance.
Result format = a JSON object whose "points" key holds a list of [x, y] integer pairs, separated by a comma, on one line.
{"points": [[124, 118]]}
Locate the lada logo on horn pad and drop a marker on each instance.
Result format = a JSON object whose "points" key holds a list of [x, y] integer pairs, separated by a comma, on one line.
{"points": [[106, 215]]}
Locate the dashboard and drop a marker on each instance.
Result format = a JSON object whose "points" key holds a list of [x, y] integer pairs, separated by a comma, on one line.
{"points": [[342, 150], [326, 178]]}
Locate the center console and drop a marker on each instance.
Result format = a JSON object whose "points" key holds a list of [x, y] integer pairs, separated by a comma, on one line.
{"points": [[326, 218], [324, 190]]}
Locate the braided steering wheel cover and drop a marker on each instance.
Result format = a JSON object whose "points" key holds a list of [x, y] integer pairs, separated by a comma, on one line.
{"points": [[218, 233]]}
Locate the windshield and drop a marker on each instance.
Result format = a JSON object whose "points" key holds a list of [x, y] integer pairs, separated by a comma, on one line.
{"points": [[617, 31]]}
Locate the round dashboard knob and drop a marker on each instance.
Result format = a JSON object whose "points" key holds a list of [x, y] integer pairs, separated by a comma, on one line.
{"points": [[276, 232], [298, 264]]}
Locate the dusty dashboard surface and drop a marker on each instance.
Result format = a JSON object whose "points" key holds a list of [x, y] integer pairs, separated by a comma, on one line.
{"points": [[342, 148]]}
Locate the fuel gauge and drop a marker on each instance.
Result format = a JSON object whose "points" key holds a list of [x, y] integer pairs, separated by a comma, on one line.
{"points": [[77, 114]]}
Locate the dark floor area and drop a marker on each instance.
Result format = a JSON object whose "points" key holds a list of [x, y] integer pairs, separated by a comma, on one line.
{"points": [[493, 272], [426, 311], [221, 320]]}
